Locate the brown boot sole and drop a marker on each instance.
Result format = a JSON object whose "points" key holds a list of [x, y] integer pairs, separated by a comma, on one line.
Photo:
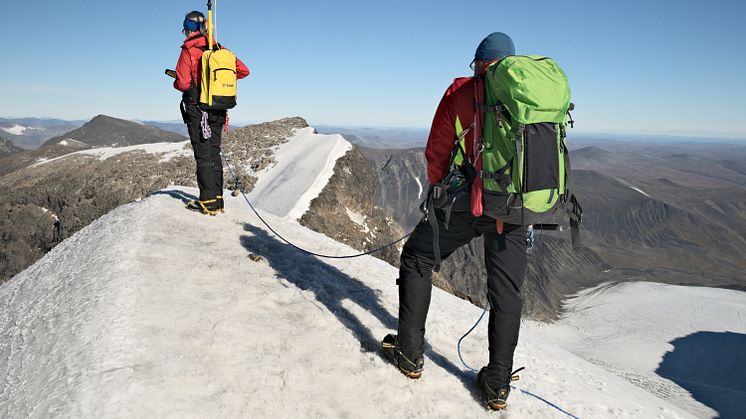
{"points": [[497, 405], [411, 374]]}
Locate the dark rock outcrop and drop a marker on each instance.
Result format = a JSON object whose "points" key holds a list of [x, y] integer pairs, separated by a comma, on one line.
{"points": [[401, 182], [351, 193]]}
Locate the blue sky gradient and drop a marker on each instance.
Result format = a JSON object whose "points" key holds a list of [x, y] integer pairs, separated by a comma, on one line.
{"points": [[662, 67]]}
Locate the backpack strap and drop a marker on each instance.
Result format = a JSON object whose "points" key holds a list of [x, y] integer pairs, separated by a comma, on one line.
{"points": [[488, 108], [215, 47], [499, 175], [571, 204]]}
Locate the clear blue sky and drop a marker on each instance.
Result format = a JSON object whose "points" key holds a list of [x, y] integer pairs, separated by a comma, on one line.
{"points": [[634, 66]]}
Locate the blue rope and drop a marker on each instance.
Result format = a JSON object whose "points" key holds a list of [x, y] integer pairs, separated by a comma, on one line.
{"points": [[545, 401], [458, 348]]}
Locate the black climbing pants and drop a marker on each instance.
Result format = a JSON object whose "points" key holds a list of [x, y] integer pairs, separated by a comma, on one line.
{"points": [[206, 150], [505, 261]]}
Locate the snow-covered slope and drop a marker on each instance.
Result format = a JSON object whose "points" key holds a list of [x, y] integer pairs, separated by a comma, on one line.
{"points": [[304, 165], [154, 311], [684, 344]]}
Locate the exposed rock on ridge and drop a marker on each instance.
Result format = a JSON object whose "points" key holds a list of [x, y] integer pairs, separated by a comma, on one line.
{"points": [[47, 203], [346, 210]]}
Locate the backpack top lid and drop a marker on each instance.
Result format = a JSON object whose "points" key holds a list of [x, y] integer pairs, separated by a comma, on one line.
{"points": [[532, 88]]}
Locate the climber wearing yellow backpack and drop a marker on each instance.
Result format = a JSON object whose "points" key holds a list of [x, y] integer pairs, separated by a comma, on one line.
{"points": [[206, 73]]}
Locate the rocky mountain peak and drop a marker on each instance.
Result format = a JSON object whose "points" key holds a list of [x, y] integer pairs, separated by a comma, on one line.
{"points": [[7, 148], [107, 131]]}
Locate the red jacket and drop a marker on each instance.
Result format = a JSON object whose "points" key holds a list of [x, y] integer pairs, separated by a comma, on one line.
{"points": [[457, 104], [188, 72]]}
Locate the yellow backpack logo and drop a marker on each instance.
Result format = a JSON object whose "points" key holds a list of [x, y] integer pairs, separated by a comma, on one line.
{"points": [[218, 87]]}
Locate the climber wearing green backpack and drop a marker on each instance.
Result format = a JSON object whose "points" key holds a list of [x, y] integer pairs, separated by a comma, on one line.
{"points": [[496, 162]]}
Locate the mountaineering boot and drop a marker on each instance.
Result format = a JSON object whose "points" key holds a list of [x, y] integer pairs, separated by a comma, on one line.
{"points": [[497, 399], [221, 204], [207, 206], [391, 350], [496, 396]]}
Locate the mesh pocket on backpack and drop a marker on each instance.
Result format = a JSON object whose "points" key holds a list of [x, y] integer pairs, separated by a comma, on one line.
{"points": [[541, 157]]}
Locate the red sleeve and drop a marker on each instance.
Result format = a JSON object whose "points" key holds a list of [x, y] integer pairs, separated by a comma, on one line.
{"points": [[440, 142], [241, 69], [183, 72]]}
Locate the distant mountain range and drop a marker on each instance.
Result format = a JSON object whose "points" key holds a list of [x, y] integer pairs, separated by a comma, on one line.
{"points": [[379, 138], [673, 213], [101, 131], [31, 133]]}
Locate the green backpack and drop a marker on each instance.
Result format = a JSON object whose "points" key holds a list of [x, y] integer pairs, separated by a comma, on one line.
{"points": [[525, 163]]}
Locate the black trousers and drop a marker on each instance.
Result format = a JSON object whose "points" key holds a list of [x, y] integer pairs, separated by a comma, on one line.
{"points": [[206, 150], [505, 261]]}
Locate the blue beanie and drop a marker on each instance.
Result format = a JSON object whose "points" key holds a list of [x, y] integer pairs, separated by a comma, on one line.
{"points": [[193, 21], [496, 45]]}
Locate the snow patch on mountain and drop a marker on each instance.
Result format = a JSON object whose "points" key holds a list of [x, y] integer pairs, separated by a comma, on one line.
{"points": [[640, 190], [15, 129], [358, 219], [303, 167], [167, 151]]}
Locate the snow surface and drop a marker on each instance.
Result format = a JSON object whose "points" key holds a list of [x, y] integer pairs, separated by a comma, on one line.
{"points": [[15, 129], [154, 311], [358, 219], [304, 166], [629, 328], [167, 151]]}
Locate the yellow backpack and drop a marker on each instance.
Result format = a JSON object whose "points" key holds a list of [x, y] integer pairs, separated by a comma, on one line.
{"points": [[218, 87]]}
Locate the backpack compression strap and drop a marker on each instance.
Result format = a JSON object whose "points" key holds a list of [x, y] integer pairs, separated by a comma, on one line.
{"points": [[572, 207]]}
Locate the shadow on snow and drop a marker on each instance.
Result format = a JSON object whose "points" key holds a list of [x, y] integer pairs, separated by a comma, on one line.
{"points": [[712, 367], [331, 287]]}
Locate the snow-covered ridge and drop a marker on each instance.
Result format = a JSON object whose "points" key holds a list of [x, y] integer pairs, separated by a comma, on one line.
{"points": [[167, 151], [304, 165], [155, 311]]}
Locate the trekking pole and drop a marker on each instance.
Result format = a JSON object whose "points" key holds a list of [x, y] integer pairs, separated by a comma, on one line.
{"points": [[209, 23], [215, 20]]}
